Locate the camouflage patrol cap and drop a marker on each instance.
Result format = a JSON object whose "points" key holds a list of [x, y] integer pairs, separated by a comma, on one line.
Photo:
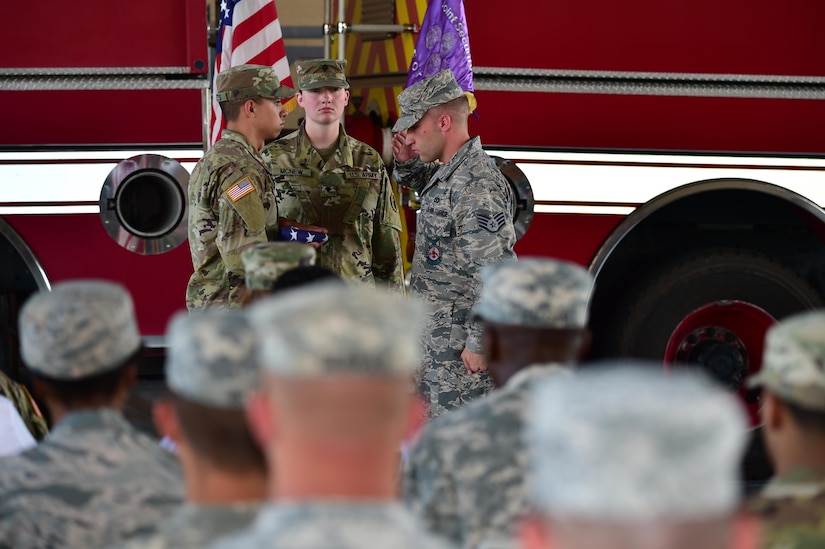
{"points": [[249, 81], [422, 96], [537, 293], [629, 442], [328, 328], [79, 329], [212, 358], [321, 73], [266, 261], [793, 364]]}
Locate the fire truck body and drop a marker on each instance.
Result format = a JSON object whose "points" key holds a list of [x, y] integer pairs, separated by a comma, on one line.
{"points": [[88, 86]]}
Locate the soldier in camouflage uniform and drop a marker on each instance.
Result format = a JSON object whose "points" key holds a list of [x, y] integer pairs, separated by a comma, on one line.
{"points": [[325, 177], [465, 222], [95, 480], [792, 505], [231, 198], [264, 263], [211, 369], [624, 456], [466, 475], [334, 408], [25, 405]]}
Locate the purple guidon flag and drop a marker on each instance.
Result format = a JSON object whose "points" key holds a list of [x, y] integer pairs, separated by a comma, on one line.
{"points": [[443, 44]]}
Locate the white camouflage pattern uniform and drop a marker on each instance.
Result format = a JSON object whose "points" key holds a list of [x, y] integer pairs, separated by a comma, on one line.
{"points": [[466, 475], [95, 479], [212, 362], [364, 332], [465, 222]]}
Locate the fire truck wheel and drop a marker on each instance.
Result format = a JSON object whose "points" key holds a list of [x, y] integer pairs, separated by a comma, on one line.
{"points": [[666, 297]]}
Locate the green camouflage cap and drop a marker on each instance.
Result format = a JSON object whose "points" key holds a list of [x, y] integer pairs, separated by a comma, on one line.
{"points": [[330, 328], [536, 293], [265, 262], [79, 329], [212, 358], [249, 81], [627, 441], [793, 364], [321, 73], [422, 96]]}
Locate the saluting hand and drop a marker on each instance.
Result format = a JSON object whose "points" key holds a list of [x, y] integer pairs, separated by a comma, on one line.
{"points": [[400, 150]]}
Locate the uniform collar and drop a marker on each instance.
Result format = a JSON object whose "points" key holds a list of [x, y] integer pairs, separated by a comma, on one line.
{"points": [[802, 482], [527, 375], [287, 512], [310, 156], [91, 420], [446, 170], [238, 137]]}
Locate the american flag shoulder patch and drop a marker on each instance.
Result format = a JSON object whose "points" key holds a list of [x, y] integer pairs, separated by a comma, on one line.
{"points": [[240, 189]]}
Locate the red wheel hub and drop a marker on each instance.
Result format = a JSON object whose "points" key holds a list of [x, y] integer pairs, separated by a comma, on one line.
{"points": [[725, 338]]}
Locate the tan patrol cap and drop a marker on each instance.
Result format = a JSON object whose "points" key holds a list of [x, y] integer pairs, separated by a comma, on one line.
{"points": [[248, 81]]}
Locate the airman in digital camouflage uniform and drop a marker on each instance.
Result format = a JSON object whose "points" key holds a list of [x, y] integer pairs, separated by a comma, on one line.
{"points": [[465, 222], [25, 405], [466, 475], [264, 263], [333, 410], [325, 177], [792, 505], [628, 457], [95, 480], [231, 197], [211, 370]]}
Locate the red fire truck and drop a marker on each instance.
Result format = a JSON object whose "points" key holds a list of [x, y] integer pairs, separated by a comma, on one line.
{"points": [[102, 108], [674, 148]]}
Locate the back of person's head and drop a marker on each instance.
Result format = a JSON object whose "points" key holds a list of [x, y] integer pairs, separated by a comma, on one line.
{"points": [[211, 371], [266, 262], [338, 359], [81, 341], [304, 275], [626, 455], [533, 310], [792, 369]]}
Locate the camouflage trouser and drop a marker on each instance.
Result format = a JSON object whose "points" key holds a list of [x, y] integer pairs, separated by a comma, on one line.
{"points": [[447, 385]]}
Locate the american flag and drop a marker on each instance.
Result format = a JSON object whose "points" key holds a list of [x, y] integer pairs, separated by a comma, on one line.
{"points": [[249, 33], [240, 189]]}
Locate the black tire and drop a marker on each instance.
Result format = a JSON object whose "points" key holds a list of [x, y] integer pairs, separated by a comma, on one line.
{"points": [[659, 302]]}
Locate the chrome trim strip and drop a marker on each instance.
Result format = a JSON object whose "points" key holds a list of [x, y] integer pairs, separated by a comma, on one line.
{"points": [[26, 253], [104, 82], [86, 71], [155, 342]]}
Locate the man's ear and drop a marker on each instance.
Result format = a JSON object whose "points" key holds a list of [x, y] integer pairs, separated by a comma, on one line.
{"points": [[534, 534], [248, 108], [772, 411], [166, 419], [747, 532], [445, 122], [260, 420]]}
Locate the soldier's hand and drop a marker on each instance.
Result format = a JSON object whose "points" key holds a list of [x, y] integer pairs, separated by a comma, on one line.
{"points": [[400, 150], [474, 362]]}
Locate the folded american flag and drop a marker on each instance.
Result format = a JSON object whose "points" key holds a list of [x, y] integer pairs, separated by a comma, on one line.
{"points": [[294, 234]]}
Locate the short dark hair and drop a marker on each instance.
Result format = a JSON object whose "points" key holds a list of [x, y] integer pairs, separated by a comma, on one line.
{"points": [[808, 420], [301, 276], [72, 393], [221, 436], [232, 109]]}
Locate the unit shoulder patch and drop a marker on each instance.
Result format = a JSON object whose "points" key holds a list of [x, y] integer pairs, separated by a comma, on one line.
{"points": [[492, 222], [240, 189]]}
